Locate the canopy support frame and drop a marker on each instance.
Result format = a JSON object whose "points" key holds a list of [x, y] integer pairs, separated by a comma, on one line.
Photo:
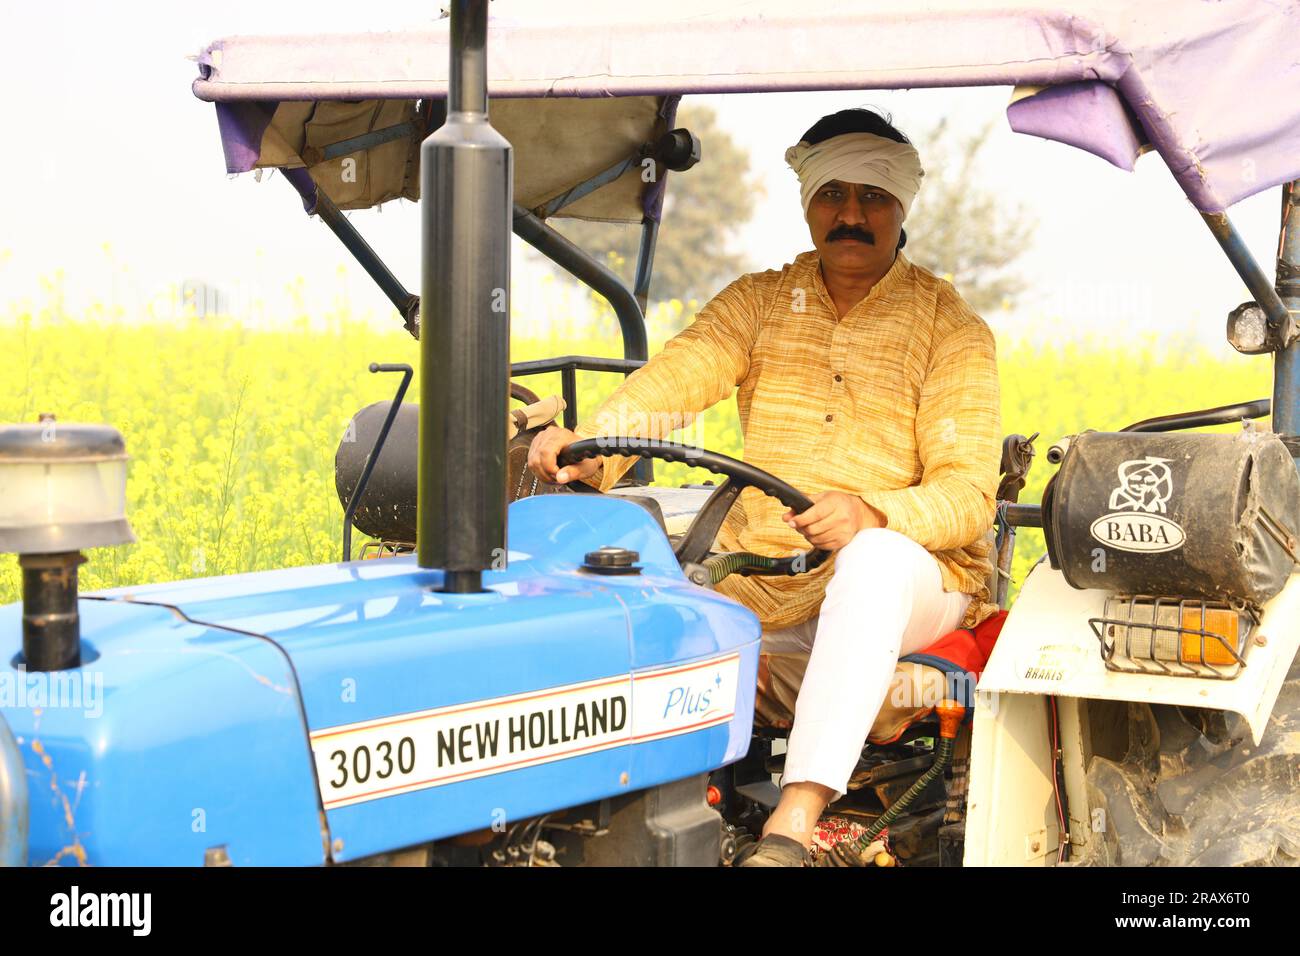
{"points": [[406, 302], [1286, 361], [1279, 318], [628, 305], [645, 261]]}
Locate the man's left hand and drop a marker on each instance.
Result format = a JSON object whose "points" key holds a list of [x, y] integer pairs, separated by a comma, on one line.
{"points": [[834, 519]]}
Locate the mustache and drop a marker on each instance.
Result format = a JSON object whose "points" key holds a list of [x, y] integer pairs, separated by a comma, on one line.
{"points": [[851, 232]]}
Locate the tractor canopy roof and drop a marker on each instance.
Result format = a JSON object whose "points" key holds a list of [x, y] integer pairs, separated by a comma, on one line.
{"points": [[1213, 87]]}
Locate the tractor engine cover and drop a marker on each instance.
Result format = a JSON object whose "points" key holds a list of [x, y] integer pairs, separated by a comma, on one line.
{"points": [[1201, 516]]}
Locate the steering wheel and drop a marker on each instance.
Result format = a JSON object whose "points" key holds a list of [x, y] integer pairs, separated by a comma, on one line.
{"points": [[693, 547]]}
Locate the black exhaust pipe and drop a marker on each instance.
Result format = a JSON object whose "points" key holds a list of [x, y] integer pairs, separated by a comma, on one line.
{"points": [[51, 622], [466, 188]]}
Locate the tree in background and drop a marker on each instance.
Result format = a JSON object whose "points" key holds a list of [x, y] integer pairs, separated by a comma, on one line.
{"points": [[965, 232], [704, 209]]}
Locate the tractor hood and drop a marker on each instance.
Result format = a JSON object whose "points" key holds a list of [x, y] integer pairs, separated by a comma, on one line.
{"points": [[419, 714]]}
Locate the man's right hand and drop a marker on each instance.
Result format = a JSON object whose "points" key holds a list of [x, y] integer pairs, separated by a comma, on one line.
{"points": [[546, 448]]}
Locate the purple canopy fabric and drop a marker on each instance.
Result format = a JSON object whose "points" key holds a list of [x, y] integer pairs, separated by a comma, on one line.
{"points": [[1214, 87]]}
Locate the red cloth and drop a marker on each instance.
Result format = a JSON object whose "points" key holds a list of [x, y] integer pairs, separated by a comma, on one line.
{"points": [[968, 649]]}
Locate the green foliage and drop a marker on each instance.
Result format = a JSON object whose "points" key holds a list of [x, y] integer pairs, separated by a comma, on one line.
{"points": [[232, 432], [1103, 386]]}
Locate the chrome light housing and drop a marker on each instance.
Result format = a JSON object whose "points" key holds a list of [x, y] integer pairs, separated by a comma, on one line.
{"points": [[62, 488]]}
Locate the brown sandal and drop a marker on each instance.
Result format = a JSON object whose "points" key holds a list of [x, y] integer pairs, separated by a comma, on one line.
{"points": [[774, 850]]}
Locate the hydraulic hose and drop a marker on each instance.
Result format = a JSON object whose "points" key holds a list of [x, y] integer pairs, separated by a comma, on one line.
{"points": [[850, 852], [721, 565]]}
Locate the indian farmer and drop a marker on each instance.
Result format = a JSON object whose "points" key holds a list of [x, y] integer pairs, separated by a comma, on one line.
{"points": [[868, 383]]}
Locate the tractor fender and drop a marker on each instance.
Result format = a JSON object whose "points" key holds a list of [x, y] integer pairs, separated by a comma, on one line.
{"points": [[1047, 649]]}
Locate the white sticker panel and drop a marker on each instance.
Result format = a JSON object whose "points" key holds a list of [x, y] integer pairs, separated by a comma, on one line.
{"points": [[678, 700], [399, 754]]}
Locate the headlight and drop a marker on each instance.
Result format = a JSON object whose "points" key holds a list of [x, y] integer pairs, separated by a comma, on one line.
{"points": [[62, 488], [1174, 636]]}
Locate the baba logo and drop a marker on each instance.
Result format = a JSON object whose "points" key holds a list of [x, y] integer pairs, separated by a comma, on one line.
{"points": [[1145, 484], [1135, 522]]}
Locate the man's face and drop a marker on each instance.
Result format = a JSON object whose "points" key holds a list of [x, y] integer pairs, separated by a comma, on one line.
{"points": [[855, 227]]}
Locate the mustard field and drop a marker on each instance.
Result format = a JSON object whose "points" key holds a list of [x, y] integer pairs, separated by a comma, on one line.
{"points": [[232, 432]]}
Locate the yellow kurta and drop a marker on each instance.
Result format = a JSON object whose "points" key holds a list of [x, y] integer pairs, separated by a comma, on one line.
{"points": [[896, 402]]}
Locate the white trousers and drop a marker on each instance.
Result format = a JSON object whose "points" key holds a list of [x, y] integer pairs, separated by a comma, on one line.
{"points": [[885, 599]]}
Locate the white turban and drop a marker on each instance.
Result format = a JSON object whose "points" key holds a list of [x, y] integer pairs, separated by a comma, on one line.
{"points": [[857, 158]]}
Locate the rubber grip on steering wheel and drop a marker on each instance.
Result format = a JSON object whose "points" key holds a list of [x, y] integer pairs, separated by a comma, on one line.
{"points": [[739, 473]]}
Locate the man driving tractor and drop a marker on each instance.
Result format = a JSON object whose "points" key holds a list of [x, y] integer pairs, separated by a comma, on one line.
{"points": [[869, 380]]}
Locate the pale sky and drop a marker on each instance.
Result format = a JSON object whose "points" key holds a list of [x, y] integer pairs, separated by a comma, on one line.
{"points": [[113, 173]]}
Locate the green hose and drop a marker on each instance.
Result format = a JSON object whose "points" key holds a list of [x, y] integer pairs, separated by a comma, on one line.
{"points": [[721, 565], [941, 760], [850, 852]]}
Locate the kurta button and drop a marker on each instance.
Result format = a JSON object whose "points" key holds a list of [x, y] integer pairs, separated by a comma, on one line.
{"points": [[829, 417], [839, 378]]}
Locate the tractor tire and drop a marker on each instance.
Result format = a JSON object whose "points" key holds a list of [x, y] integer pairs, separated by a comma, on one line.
{"points": [[1193, 790]]}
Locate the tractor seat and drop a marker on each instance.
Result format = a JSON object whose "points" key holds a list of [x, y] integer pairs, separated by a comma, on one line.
{"points": [[946, 670]]}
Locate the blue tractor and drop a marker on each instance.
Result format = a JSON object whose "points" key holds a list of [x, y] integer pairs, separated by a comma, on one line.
{"points": [[521, 674]]}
